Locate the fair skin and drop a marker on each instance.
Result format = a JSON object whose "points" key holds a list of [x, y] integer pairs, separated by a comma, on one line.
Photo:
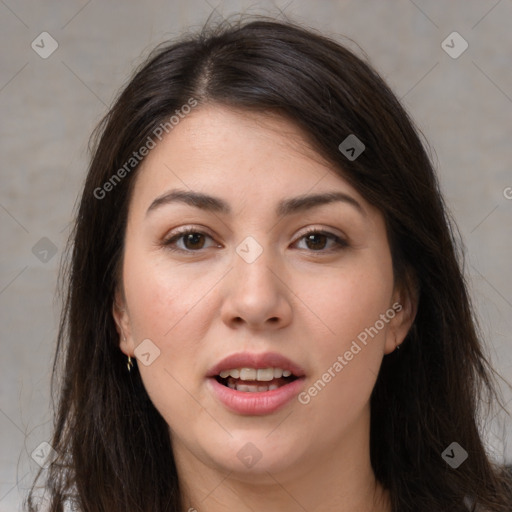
{"points": [[304, 297]]}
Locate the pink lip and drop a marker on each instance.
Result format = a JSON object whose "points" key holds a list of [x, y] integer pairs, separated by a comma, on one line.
{"points": [[261, 402], [257, 403], [248, 360]]}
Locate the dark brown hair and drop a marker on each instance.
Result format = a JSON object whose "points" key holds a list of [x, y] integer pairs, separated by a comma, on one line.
{"points": [[113, 445]]}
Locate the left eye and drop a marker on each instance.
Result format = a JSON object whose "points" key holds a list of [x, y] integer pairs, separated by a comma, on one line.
{"points": [[320, 237], [194, 241]]}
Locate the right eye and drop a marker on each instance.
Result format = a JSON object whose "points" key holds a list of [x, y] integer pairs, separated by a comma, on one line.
{"points": [[191, 240]]}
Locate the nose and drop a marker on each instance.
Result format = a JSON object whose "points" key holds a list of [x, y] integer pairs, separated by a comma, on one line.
{"points": [[257, 294]]}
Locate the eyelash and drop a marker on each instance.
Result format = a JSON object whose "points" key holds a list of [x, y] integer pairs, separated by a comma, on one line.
{"points": [[168, 243]]}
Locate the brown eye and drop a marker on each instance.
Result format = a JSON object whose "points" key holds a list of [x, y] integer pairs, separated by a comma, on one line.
{"points": [[192, 241], [316, 241]]}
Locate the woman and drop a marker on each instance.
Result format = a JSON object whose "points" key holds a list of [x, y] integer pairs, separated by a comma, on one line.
{"points": [[266, 309]]}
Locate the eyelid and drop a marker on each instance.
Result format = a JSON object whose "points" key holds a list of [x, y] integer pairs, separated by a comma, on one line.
{"points": [[341, 241], [182, 231], [324, 230]]}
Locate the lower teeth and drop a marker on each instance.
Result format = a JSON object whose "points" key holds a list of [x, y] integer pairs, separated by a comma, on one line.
{"points": [[254, 386], [252, 389]]}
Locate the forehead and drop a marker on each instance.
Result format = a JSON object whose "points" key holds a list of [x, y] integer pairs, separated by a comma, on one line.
{"points": [[248, 155]]}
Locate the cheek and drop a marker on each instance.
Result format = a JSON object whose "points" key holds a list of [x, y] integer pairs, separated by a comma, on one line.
{"points": [[161, 304], [155, 301], [354, 298], [349, 354], [161, 296]]}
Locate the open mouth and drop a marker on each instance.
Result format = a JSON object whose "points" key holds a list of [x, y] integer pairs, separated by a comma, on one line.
{"points": [[256, 385], [251, 380]]}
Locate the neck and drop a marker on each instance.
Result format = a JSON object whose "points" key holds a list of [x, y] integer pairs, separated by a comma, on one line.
{"points": [[311, 494], [337, 478]]}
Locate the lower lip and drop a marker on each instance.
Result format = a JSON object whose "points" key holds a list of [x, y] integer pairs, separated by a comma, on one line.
{"points": [[259, 402]]}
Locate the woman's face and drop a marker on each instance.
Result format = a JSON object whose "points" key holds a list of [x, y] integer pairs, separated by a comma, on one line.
{"points": [[253, 286]]}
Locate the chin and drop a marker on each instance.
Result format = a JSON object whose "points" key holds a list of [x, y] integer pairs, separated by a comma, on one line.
{"points": [[251, 455]]}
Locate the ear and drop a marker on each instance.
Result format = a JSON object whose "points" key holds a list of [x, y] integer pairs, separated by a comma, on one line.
{"points": [[122, 320], [405, 306]]}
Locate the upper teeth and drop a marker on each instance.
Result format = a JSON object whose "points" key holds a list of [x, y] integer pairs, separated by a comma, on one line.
{"points": [[263, 374]]}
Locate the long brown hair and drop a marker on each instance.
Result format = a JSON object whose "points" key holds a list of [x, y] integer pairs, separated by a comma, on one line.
{"points": [[114, 448]]}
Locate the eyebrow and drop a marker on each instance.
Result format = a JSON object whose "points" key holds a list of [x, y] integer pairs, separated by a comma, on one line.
{"points": [[285, 207]]}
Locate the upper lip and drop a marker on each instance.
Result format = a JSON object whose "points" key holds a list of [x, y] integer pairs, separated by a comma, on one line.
{"points": [[251, 360]]}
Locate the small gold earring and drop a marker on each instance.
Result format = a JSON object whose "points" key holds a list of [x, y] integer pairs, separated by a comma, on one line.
{"points": [[129, 364]]}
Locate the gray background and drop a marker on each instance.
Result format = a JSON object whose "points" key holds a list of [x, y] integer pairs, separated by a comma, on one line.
{"points": [[50, 106]]}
